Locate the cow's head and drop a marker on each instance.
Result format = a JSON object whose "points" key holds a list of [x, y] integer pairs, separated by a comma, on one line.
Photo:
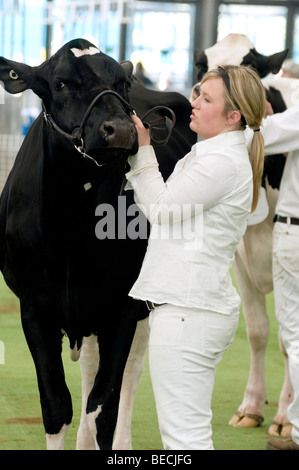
{"points": [[236, 49], [67, 84]]}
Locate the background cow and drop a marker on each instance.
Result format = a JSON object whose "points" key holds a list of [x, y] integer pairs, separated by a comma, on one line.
{"points": [[253, 263], [69, 281]]}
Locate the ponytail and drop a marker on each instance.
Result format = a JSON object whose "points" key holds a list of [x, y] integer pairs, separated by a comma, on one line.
{"points": [[256, 158], [248, 94]]}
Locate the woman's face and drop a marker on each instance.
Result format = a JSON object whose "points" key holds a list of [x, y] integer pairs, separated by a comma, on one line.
{"points": [[208, 118]]}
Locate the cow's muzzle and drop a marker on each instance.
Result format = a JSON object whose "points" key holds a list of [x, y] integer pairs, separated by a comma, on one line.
{"points": [[166, 119], [118, 133], [76, 137]]}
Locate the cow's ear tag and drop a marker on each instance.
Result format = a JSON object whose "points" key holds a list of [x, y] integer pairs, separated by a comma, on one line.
{"points": [[13, 75]]}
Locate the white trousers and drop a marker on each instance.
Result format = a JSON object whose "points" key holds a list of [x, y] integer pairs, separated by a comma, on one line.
{"points": [[286, 294], [185, 347]]}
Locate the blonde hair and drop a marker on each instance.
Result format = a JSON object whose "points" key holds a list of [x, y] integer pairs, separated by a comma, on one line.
{"points": [[244, 92]]}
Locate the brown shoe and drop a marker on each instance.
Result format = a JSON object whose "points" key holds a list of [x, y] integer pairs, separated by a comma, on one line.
{"points": [[282, 444]]}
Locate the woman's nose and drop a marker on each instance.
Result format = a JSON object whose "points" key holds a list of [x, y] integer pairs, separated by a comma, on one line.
{"points": [[196, 103]]}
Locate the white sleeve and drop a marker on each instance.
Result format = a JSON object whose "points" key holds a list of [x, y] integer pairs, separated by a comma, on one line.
{"points": [[201, 185], [281, 131]]}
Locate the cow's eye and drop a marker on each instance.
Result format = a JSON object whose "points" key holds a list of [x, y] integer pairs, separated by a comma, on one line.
{"points": [[58, 85]]}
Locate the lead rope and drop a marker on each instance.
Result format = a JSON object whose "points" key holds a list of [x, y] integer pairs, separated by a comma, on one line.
{"points": [[167, 120]]}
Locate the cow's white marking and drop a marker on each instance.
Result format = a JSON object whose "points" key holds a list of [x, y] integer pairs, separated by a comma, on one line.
{"points": [[91, 419], [132, 374], [89, 51], [89, 364], [56, 441], [229, 51], [288, 87]]}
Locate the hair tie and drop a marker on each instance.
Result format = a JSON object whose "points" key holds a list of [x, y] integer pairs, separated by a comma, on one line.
{"points": [[256, 130]]}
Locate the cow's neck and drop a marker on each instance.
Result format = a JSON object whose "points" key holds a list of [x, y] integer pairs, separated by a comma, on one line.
{"points": [[68, 168]]}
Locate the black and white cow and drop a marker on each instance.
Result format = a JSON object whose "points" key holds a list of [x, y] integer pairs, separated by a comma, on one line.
{"points": [[253, 263], [71, 282], [237, 49]]}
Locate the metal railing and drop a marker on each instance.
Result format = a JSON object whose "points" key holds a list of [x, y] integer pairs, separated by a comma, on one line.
{"points": [[9, 146]]}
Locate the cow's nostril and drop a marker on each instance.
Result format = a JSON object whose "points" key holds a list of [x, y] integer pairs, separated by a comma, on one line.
{"points": [[118, 133], [109, 130]]}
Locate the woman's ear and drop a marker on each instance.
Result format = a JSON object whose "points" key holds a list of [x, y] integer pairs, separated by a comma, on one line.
{"points": [[234, 117]]}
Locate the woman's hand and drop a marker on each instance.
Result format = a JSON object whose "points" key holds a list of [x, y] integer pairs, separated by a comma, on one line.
{"points": [[143, 133]]}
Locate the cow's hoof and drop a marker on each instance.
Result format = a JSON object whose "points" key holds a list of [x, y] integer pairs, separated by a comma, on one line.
{"points": [[279, 429], [247, 420]]}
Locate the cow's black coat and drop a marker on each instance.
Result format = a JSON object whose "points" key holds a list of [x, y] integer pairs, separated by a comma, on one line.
{"points": [[68, 281]]}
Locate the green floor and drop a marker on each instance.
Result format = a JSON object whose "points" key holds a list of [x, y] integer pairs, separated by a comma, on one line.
{"points": [[20, 423]]}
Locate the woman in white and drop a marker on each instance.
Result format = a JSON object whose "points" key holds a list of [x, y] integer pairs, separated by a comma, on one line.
{"points": [[198, 218]]}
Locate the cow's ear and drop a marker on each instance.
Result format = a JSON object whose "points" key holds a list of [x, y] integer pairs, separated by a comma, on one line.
{"points": [[14, 75], [276, 61], [201, 62], [128, 67], [265, 64]]}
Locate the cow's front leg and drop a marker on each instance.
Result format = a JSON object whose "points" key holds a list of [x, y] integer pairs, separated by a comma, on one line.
{"points": [[132, 374], [56, 441], [45, 344], [89, 364]]}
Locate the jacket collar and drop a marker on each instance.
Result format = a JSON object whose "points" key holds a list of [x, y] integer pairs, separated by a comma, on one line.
{"points": [[229, 138]]}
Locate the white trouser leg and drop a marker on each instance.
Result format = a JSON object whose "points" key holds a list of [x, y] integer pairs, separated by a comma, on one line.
{"points": [[286, 293], [184, 349]]}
